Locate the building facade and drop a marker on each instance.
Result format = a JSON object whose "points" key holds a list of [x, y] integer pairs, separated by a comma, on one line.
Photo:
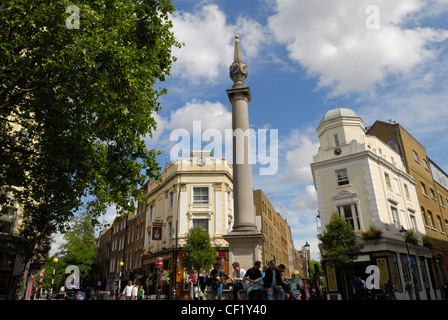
{"points": [[278, 243], [364, 180], [431, 192], [10, 264], [194, 191]]}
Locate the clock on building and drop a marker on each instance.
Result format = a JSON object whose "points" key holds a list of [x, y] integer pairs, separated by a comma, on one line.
{"points": [[200, 162]]}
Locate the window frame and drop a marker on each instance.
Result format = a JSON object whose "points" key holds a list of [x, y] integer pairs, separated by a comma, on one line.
{"points": [[344, 180]]}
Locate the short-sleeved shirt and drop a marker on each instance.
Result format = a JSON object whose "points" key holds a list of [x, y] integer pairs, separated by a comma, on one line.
{"points": [[253, 274]]}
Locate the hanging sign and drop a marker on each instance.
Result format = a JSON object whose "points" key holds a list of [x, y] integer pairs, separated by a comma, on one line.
{"points": [[157, 230]]}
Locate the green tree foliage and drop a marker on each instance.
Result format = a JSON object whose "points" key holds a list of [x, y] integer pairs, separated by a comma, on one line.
{"points": [[76, 105], [339, 242], [340, 245], [80, 249], [198, 254]]}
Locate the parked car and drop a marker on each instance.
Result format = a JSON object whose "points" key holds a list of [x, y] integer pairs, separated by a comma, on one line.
{"points": [[81, 295], [71, 295]]}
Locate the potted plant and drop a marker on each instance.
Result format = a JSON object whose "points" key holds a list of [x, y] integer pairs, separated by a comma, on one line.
{"points": [[372, 235], [411, 237]]}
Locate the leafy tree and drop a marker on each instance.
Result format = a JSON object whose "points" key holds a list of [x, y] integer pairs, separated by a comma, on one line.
{"points": [[198, 254], [315, 270], [80, 249], [339, 243], [75, 105]]}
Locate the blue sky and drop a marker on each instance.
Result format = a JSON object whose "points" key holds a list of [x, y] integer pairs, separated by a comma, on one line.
{"points": [[304, 58]]}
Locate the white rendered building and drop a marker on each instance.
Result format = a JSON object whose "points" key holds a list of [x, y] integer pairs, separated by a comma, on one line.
{"points": [[365, 181]]}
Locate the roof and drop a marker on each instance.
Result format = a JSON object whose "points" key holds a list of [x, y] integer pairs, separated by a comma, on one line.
{"points": [[336, 113]]}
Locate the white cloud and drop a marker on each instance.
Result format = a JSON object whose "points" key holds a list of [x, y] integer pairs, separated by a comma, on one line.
{"points": [[209, 43], [308, 200], [331, 40], [213, 115], [194, 119], [299, 147]]}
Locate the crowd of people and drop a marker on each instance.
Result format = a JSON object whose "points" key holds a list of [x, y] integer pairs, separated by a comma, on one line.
{"points": [[256, 282]]}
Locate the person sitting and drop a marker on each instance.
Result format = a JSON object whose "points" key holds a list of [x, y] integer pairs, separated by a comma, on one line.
{"points": [[239, 282], [273, 281], [254, 280], [286, 286], [216, 280]]}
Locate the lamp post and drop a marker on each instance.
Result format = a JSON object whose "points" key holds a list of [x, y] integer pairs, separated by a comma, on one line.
{"points": [[173, 282], [55, 260], [307, 248], [403, 233], [119, 279]]}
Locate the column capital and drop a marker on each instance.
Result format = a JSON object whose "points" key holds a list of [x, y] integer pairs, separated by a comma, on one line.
{"points": [[242, 93]]}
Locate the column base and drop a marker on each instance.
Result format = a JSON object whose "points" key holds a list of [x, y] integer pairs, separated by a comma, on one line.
{"points": [[245, 247]]}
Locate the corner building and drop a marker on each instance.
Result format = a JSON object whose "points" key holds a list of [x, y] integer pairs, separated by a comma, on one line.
{"points": [[364, 180]]}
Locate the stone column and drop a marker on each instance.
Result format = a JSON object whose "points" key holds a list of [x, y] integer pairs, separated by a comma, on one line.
{"points": [[244, 240]]}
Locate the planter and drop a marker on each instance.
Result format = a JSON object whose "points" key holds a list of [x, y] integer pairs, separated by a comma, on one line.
{"points": [[372, 235]]}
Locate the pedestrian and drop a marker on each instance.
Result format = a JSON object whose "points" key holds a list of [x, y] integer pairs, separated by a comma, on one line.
{"points": [[128, 290], [273, 281], [254, 280], [389, 290], [306, 290], [195, 292], [202, 285], [239, 283], [141, 293], [359, 289], [289, 295], [410, 288], [135, 292]]}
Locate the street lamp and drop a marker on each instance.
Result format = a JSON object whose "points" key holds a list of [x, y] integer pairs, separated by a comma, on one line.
{"points": [[119, 279], [173, 282], [403, 233], [307, 248], [55, 260]]}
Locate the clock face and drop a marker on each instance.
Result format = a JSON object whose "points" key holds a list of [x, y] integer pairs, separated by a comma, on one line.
{"points": [[200, 162], [337, 151]]}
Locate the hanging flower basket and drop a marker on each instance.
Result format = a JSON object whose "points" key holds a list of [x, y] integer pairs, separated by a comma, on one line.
{"points": [[193, 278], [372, 235], [165, 277]]}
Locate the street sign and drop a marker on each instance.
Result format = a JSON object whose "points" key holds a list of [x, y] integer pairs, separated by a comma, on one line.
{"points": [[159, 262], [409, 260]]}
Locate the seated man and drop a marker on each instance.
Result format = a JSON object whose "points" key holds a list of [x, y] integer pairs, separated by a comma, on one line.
{"points": [[273, 281], [254, 280], [216, 280], [286, 287]]}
